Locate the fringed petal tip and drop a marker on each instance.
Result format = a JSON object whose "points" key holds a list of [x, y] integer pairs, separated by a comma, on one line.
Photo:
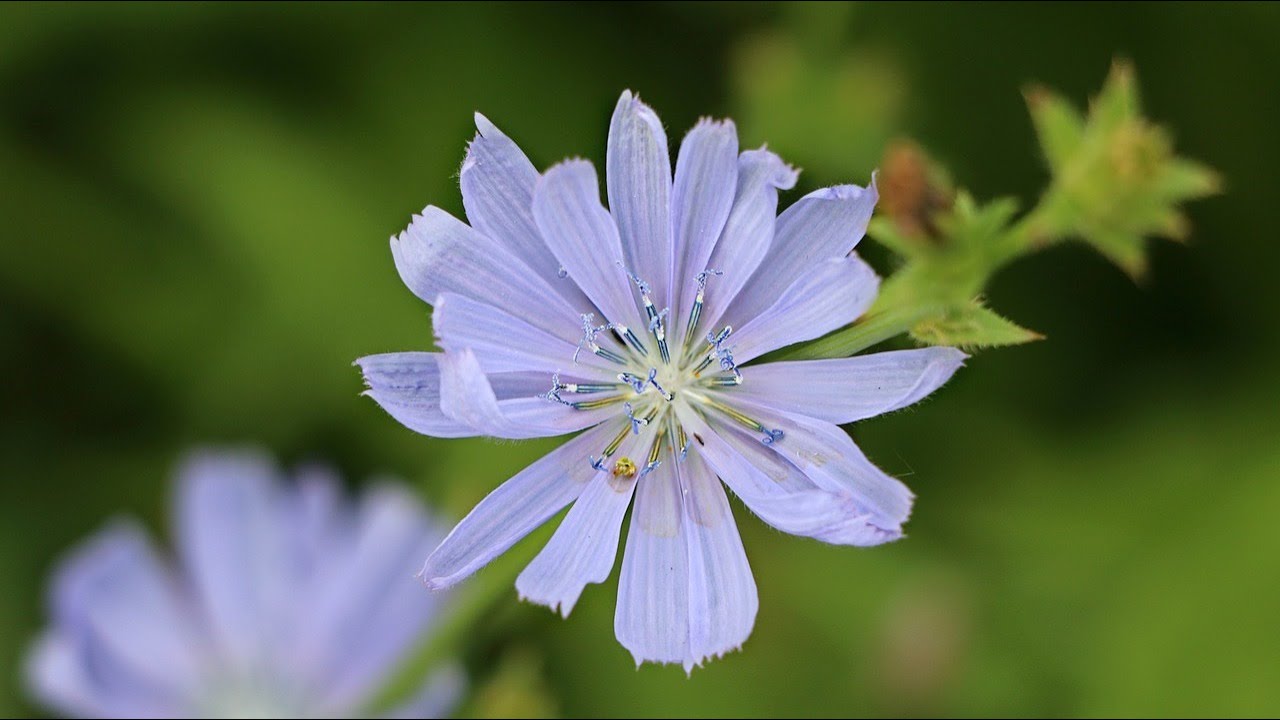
{"points": [[362, 364], [780, 174], [431, 582], [561, 607], [568, 165], [871, 535], [844, 192], [486, 132], [692, 663], [943, 362], [712, 123], [861, 530], [414, 221], [887, 530], [485, 128], [689, 663], [630, 102]]}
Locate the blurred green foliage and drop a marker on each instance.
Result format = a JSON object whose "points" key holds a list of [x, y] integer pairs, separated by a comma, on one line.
{"points": [[1115, 176], [196, 205], [1116, 180]]}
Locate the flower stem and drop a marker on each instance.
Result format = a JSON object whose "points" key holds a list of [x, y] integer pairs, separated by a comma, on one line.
{"points": [[872, 329]]}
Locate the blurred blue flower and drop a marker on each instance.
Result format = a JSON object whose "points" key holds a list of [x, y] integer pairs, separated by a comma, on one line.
{"points": [[636, 325], [287, 601]]}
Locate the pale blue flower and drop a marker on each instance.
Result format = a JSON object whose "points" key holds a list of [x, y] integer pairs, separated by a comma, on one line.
{"points": [[286, 601], [637, 324]]}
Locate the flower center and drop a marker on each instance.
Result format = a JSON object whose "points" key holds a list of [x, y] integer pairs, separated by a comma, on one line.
{"points": [[657, 375]]}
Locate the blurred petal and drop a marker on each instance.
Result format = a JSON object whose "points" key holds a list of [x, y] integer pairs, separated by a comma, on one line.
{"points": [[639, 179], [407, 386], [748, 232], [503, 343], [652, 617], [125, 642], [823, 225], [722, 592], [497, 183], [319, 522], [56, 674], [467, 397], [845, 390], [705, 183], [831, 295], [577, 228], [76, 679], [438, 253], [518, 506], [235, 550], [583, 548], [364, 610]]}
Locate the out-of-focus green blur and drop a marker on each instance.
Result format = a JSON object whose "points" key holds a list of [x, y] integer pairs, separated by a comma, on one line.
{"points": [[195, 203]]}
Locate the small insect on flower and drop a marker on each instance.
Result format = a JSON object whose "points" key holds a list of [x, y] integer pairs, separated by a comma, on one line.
{"points": [[649, 318], [287, 601]]}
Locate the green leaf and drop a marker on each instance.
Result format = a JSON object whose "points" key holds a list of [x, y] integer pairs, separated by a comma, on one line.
{"points": [[1058, 124], [972, 327], [1118, 101], [1187, 179], [1116, 177]]}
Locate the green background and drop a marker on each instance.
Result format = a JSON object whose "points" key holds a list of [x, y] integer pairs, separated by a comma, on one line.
{"points": [[195, 203]]}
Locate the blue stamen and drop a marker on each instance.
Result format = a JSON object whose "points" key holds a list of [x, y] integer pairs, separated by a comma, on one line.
{"points": [[554, 393], [718, 351], [653, 375], [588, 335], [588, 341], [727, 364], [655, 317], [655, 326], [641, 285], [721, 381], [596, 403], [770, 436], [655, 322], [586, 388], [649, 468], [695, 313], [635, 421], [631, 338], [636, 382], [705, 275], [597, 462]]}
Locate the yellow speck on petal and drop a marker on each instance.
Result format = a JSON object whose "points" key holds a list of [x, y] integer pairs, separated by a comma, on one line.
{"points": [[624, 467]]}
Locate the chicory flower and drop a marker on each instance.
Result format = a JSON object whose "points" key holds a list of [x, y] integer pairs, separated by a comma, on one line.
{"points": [[638, 325]]}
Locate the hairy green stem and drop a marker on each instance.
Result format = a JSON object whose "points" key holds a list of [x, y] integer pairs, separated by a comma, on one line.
{"points": [[872, 329]]}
